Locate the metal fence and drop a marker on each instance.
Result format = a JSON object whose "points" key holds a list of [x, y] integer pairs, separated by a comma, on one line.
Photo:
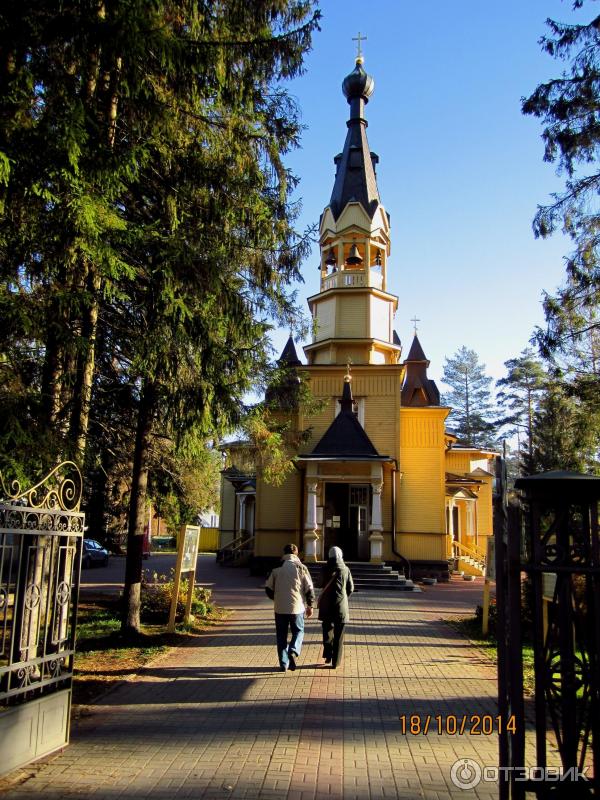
{"points": [[41, 534], [548, 593]]}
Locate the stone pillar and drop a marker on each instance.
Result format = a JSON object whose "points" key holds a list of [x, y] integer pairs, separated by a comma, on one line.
{"points": [[376, 527], [242, 513], [311, 536], [451, 528]]}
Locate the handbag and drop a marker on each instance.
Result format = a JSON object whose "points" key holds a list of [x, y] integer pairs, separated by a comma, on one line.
{"points": [[324, 589]]}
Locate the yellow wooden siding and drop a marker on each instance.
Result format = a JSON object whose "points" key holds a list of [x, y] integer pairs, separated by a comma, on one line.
{"points": [[209, 540], [420, 502], [272, 542], [485, 508], [325, 319], [278, 504], [322, 356], [318, 423], [227, 513], [351, 315], [353, 216], [421, 547], [386, 501], [378, 384], [458, 463], [380, 318], [380, 424]]}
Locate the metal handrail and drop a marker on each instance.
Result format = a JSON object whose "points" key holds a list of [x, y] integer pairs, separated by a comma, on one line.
{"points": [[462, 549], [235, 549]]}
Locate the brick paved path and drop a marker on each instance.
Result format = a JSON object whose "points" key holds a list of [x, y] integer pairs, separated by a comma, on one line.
{"points": [[217, 720]]}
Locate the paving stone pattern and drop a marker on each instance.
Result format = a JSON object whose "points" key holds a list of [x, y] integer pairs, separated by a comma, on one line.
{"points": [[217, 720]]}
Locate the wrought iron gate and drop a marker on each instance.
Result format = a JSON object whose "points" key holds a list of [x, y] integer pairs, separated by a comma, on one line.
{"points": [[548, 554], [41, 534]]}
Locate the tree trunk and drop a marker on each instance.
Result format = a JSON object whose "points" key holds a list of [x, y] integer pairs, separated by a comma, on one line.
{"points": [[85, 370], [51, 377], [130, 623]]}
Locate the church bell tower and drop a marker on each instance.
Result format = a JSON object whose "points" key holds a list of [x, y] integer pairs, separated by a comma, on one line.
{"points": [[353, 313]]}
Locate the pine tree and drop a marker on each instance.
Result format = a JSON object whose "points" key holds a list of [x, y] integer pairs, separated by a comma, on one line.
{"points": [[519, 396], [469, 398]]}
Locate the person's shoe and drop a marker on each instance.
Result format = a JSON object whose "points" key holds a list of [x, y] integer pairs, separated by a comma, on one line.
{"points": [[328, 660], [283, 668], [292, 661]]}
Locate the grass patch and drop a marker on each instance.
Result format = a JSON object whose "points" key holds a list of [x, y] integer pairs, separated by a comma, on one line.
{"points": [[470, 628], [103, 658]]}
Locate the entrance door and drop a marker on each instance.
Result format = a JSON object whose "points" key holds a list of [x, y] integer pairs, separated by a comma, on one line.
{"points": [[359, 521], [456, 523], [362, 533], [346, 520]]}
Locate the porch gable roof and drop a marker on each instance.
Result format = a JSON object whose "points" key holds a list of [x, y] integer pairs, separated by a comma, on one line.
{"points": [[345, 438]]}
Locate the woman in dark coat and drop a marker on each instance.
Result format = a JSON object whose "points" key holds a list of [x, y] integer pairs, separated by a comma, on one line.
{"points": [[337, 586]]}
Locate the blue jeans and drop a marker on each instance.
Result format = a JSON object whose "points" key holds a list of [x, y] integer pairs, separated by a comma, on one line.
{"points": [[296, 623]]}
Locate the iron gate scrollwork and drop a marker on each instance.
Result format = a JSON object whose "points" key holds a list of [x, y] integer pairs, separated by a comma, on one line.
{"points": [[550, 550], [41, 534]]}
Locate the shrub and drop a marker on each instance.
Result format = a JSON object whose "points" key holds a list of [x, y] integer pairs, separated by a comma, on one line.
{"points": [[156, 599], [492, 617]]}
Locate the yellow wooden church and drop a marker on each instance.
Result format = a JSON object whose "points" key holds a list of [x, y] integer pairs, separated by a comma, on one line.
{"points": [[380, 477]]}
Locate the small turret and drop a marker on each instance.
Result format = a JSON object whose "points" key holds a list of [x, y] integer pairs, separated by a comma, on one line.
{"points": [[418, 390]]}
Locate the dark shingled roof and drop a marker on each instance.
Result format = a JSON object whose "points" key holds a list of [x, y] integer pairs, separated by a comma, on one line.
{"points": [[418, 390], [345, 437], [416, 351], [282, 393], [289, 356], [355, 178]]}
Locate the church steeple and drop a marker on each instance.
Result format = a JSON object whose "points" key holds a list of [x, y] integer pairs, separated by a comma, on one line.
{"points": [[353, 312], [355, 178]]}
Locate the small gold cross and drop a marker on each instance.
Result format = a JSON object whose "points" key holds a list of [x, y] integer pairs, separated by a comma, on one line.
{"points": [[414, 320], [359, 39]]}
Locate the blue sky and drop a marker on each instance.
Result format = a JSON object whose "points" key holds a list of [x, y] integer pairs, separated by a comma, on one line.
{"points": [[461, 170]]}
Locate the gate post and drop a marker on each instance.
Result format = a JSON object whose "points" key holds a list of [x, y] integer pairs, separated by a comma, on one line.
{"points": [[560, 542]]}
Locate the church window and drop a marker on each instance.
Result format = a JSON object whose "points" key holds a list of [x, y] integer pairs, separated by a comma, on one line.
{"points": [[359, 495], [358, 408]]}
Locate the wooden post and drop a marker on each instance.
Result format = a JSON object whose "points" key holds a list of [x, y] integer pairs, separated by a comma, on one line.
{"points": [[176, 584], [490, 575], [190, 596], [485, 621]]}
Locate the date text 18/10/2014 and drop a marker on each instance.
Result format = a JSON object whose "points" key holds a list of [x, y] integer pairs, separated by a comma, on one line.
{"points": [[456, 725]]}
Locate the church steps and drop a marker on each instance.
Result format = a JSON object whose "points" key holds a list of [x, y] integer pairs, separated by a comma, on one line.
{"points": [[370, 577]]}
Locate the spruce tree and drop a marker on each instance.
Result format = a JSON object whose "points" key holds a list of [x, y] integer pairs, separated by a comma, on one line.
{"points": [[565, 435], [469, 398], [146, 221]]}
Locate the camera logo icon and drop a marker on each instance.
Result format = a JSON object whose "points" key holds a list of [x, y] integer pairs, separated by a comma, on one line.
{"points": [[465, 773]]}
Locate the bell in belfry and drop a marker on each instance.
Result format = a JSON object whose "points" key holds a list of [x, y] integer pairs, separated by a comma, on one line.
{"points": [[354, 258]]}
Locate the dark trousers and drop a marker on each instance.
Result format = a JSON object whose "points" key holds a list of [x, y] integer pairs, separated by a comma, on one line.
{"points": [[333, 641]]}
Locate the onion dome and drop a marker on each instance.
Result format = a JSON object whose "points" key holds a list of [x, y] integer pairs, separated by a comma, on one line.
{"points": [[358, 83]]}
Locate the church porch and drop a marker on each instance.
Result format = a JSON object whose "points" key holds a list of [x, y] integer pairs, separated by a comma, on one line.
{"points": [[344, 506]]}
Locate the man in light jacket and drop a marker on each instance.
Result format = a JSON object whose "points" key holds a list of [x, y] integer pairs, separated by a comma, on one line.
{"points": [[291, 587]]}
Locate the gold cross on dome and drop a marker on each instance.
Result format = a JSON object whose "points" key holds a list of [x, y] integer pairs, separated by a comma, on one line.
{"points": [[358, 39], [348, 375], [414, 320]]}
